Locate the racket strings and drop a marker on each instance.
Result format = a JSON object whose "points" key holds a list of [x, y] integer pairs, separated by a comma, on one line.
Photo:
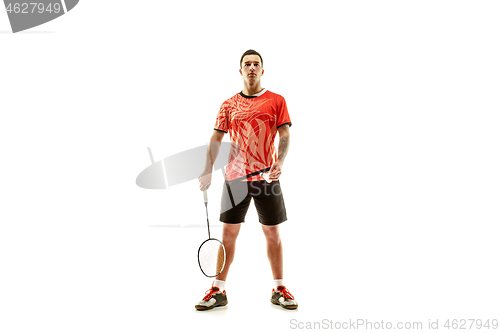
{"points": [[211, 257]]}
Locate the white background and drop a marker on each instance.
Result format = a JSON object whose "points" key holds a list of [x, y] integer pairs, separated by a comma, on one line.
{"points": [[391, 182]]}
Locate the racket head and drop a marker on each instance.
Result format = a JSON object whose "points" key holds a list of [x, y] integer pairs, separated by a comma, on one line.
{"points": [[211, 257]]}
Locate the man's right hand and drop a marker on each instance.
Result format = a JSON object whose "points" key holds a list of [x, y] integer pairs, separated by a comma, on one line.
{"points": [[205, 180]]}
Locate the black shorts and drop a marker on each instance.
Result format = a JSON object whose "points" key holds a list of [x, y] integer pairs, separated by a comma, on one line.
{"points": [[268, 199]]}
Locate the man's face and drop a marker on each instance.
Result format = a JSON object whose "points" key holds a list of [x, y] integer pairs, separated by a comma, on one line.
{"points": [[251, 68]]}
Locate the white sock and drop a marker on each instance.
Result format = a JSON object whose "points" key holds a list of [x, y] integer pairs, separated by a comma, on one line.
{"points": [[220, 284], [278, 283]]}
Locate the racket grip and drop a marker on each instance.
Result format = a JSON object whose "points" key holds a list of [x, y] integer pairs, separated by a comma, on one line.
{"points": [[205, 197]]}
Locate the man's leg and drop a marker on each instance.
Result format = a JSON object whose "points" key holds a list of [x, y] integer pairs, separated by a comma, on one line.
{"points": [[229, 234], [281, 295], [274, 250], [217, 294]]}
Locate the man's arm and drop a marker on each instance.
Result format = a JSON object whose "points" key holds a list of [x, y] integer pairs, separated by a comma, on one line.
{"points": [[284, 143], [212, 153]]}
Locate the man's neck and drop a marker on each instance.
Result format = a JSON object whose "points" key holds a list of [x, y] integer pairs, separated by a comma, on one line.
{"points": [[252, 90]]}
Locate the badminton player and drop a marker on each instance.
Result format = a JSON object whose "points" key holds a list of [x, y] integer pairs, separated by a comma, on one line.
{"points": [[253, 118]]}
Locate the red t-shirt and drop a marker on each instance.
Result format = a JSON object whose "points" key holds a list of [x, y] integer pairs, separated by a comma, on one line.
{"points": [[252, 123]]}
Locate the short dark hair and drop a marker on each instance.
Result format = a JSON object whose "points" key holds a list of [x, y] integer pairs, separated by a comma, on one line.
{"points": [[252, 52]]}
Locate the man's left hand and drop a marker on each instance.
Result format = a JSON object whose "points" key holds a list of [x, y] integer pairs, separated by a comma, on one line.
{"points": [[275, 171]]}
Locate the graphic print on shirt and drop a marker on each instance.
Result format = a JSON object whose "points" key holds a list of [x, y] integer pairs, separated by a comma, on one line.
{"points": [[252, 126], [253, 135]]}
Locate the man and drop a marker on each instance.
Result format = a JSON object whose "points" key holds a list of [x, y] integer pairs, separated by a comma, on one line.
{"points": [[252, 118]]}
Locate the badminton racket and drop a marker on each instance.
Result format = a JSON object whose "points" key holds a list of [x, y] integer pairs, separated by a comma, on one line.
{"points": [[211, 253]]}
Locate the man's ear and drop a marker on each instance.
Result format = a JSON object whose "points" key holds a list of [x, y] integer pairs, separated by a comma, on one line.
{"points": [[241, 72]]}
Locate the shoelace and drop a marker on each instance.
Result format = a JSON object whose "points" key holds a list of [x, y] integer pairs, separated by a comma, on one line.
{"points": [[286, 293], [209, 293]]}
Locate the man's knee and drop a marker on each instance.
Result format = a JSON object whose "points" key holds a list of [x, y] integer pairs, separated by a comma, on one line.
{"points": [[272, 233], [230, 232]]}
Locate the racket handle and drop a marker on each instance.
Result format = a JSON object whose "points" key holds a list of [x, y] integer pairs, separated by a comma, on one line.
{"points": [[205, 197]]}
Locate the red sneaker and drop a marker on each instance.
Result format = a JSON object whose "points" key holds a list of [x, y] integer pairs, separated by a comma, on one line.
{"points": [[282, 296], [213, 298]]}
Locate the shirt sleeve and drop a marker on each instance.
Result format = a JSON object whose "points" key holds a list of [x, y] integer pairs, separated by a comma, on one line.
{"points": [[283, 116], [222, 121]]}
